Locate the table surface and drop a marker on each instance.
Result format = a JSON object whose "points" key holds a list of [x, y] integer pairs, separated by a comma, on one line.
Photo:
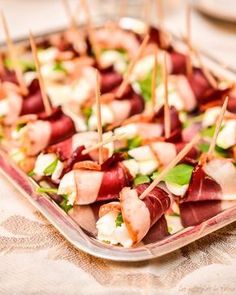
{"points": [[36, 259]]}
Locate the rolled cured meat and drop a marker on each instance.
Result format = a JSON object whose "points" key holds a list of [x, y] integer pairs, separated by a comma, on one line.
{"points": [[128, 222], [17, 105], [45, 131], [213, 180], [86, 186]]}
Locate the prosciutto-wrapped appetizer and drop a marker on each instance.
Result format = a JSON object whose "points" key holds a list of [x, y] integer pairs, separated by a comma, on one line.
{"points": [[116, 110], [127, 222], [43, 131], [62, 156], [213, 180], [149, 127], [226, 138], [89, 182], [14, 105]]}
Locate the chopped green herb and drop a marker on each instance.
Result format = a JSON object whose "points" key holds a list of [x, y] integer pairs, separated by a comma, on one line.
{"points": [[180, 174], [204, 147], [58, 66], [145, 87], [119, 220], [51, 168], [64, 205], [20, 126], [48, 190], [140, 179], [208, 132], [170, 229], [25, 64], [174, 214], [87, 113], [31, 173], [134, 142]]}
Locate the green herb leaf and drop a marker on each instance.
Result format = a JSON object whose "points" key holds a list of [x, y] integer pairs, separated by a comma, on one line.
{"points": [[208, 132], [51, 168], [47, 190], [58, 66], [65, 206], [20, 126], [145, 87], [31, 173], [134, 142], [140, 179], [25, 64], [204, 147], [87, 112], [180, 174], [119, 220]]}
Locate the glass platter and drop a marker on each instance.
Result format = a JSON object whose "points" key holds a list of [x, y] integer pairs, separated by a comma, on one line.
{"points": [[80, 230]]}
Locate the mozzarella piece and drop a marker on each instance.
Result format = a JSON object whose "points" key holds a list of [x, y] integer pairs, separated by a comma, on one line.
{"points": [[108, 232], [4, 107], [210, 116], [142, 153], [173, 223], [147, 167], [42, 162], [133, 166], [59, 94], [227, 136], [48, 55], [67, 187], [50, 74], [113, 58], [106, 114], [178, 190], [58, 171], [173, 96], [82, 90], [130, 130]]}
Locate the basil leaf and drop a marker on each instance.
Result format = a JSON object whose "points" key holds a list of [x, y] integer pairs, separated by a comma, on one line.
{"points": [[204, 147], [208, 132], [87, 112], [58, 66], [51, 168], [140, 179], [134, 142], [65, 206], [119, 220], [47, 190], [145, 87], [180, 174]]}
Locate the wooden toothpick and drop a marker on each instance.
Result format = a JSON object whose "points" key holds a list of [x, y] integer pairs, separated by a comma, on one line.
{"points": [[99, 116], [69, 14], [210, 77], [171, 165], [91, 35], [154, 81], [160, 19], [189, 63], [131, 66], [167, 119], [14, 57], [218, 126], [46, 102], [102, 143], [123, 8]]}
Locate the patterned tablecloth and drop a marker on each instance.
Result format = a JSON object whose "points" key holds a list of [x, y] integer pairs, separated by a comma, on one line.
{"points": [[36, 259]]}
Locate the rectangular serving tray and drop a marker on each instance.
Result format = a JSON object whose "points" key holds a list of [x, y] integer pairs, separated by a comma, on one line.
{"points": [[80, 238]]}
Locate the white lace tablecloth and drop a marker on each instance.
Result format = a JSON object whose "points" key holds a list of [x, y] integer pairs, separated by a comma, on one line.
{"points": [[36, 259]]}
